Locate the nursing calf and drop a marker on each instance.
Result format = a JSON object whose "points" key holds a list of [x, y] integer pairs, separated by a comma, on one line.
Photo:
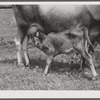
{"points": [[68, 41]]}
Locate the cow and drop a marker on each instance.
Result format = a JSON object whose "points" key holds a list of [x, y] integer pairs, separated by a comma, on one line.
{"points": [[53, 18]]}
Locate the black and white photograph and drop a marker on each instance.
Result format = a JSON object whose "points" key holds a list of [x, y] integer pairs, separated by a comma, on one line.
{"points": [[50, 46]]}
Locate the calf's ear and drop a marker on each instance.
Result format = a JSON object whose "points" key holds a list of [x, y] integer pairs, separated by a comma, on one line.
{"points": [[37, 34], [40, 34]]}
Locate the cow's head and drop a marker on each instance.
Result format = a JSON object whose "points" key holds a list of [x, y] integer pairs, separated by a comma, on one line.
{"points": [[36, 34]]}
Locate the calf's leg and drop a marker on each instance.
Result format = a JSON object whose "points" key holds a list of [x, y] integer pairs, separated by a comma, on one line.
{"points": [[48, 62]]}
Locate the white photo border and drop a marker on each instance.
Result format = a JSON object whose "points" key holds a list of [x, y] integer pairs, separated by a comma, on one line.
{"points": [[49, 93]]}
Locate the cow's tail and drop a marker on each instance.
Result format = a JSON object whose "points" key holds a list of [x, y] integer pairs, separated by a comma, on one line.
{"points": [[88, 40]]}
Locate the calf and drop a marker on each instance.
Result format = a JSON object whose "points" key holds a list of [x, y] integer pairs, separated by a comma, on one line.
{"points": [[68, 41]]}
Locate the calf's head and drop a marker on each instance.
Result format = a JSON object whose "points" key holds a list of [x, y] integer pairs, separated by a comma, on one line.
{"points": [[35, 33]]}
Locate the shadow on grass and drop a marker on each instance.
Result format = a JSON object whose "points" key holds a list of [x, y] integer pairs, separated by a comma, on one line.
{"points": [[64, 68], [37, 62], [58, 67], [8, 61], [55, 67]]}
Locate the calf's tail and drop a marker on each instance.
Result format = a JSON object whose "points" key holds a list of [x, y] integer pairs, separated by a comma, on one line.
{"points": [[88, 40]]}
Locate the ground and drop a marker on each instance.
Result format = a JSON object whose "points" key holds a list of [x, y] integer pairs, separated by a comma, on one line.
{"points": [[62, 75]]}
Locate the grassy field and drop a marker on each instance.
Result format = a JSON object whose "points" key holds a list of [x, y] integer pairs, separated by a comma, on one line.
{"points": [[62, 75]]}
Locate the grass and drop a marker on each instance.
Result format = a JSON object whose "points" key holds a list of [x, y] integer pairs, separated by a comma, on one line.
{"points": [[61, 76]]}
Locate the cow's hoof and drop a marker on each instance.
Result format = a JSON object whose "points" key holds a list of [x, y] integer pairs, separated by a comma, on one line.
{"points": [[28, 66], [20, 65], [94, 78]]}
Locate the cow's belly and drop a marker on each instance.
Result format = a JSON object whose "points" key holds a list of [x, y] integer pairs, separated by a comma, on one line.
{"points": [[94, 10], [59, 17], [62, 10]]}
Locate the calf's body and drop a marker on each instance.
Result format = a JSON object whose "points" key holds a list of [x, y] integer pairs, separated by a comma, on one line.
{"points": [[68, 41]]}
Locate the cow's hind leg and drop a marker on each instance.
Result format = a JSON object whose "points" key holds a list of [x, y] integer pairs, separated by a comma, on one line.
{"points": [[89, 60], [48, 62]]}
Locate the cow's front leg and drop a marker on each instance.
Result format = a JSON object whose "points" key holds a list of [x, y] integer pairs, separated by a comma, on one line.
{"points": [[48, 62], [25, 51]]}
